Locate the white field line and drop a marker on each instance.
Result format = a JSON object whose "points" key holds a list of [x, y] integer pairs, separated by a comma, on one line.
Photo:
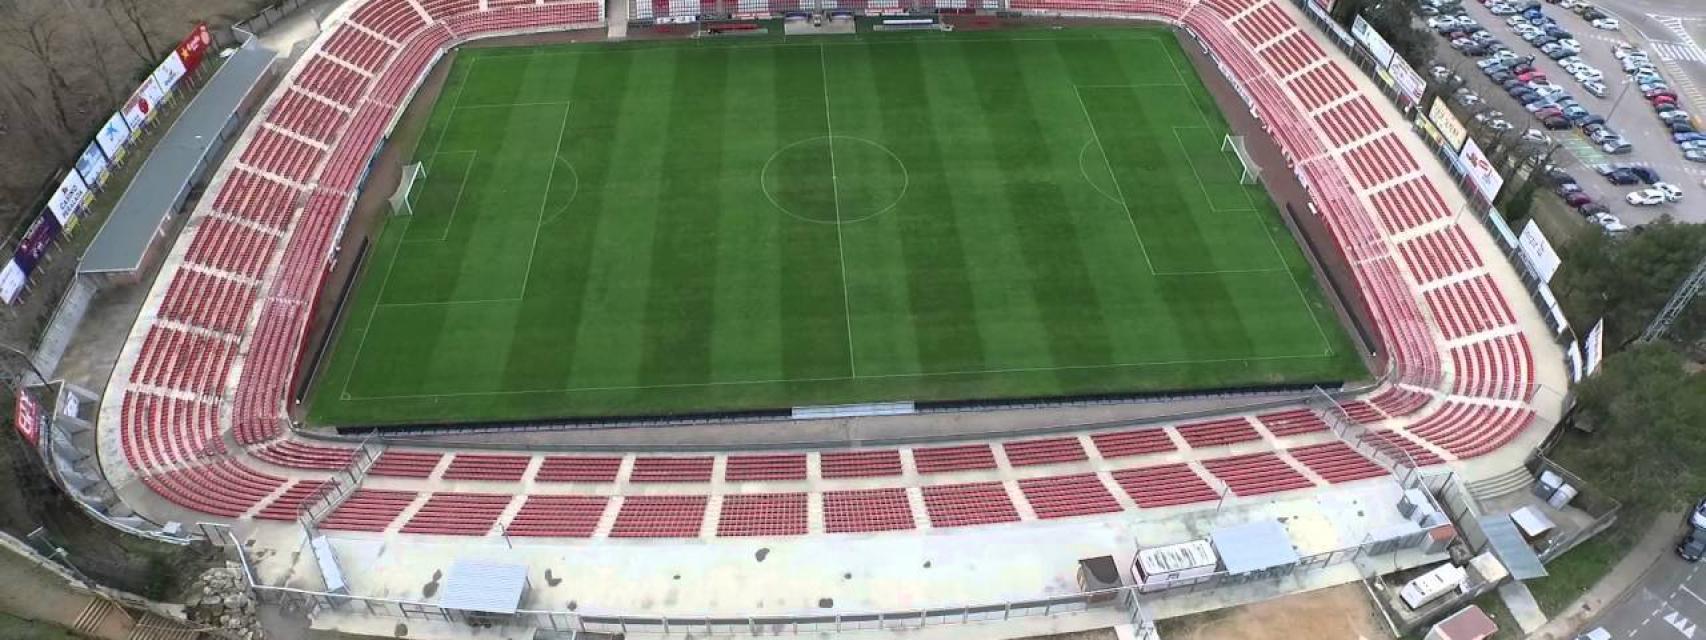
{"points": [[933, 374], [456, 205], [1097, 138], [545, 199], [835, 189]]}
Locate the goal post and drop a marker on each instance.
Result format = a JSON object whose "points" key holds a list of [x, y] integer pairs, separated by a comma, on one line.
{"points": [[402, 202], [1250, 173]]}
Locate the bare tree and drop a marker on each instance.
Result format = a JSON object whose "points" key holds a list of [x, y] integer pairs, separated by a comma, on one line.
{"points": [[34, 31], [132, 16]]}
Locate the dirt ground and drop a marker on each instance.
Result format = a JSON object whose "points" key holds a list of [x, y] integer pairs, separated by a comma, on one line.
{"points": [[1338, 613]]}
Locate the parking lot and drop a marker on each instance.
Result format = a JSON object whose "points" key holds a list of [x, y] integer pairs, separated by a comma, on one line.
{"points": [[1624, 109]]}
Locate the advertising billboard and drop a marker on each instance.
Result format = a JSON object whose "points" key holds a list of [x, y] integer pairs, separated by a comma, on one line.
{"points": [[1371, 40], [1595, 347], [1481, 171], [68, 200], [27, 417], [1449, 126], [194, 47], [12, 280], [140, 109], [1538, 252], [92, 166], [114, 137], [1410, 84], [35, 242], [167, 74]]}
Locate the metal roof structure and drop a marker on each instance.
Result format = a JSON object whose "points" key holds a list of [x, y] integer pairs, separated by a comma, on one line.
{"points": [[1254, 546], [487, 587], [167, 174], [1511, 548]]}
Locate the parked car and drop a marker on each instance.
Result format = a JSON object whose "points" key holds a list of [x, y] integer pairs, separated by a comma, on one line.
{"points": [[1595, 88], [1610, 223], [1671, 192], [1608, 24], [1693, 545], [1694, 155], [1622, 177], [1616, 146], [1646, 174], [1592, 209], [1645, 197], [1577, 199]]}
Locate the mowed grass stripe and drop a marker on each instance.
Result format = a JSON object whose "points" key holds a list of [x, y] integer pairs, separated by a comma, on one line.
{"points": [[669, 282]]}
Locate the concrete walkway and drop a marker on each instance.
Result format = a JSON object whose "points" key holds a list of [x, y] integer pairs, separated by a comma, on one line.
{"points": [[1616, 583], [1520, 601]]}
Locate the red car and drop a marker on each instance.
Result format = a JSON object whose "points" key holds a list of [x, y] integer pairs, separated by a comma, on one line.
{"points": [[1532, 76], [1577, 199], [1658, 100]]}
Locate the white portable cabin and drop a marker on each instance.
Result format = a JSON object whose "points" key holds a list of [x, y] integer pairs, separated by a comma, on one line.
{"points": [[1431, 585], [1156, 567]]}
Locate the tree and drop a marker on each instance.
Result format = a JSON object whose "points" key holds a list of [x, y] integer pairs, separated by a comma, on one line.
{"points": [[33, 29], [131, 17], [1392, 18], [1628, 280], [1647, 409]]}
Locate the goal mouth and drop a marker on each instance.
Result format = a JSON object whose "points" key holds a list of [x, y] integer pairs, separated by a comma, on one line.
{"points": [[1251, 172], [402, 200]]}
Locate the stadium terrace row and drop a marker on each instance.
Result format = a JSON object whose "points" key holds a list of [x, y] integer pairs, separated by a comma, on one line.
{"points": [[255, 256]]}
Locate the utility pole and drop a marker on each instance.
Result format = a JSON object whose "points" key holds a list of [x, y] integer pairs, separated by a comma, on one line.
{"points": [[1679, 300]]}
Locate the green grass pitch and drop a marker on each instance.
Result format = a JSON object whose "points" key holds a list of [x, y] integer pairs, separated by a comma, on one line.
{"points": [[668, 227]]}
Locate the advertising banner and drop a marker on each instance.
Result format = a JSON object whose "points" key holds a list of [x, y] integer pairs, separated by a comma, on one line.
{"points": [[194, 47], [1449, 126], [114, 137], [1428, 128], [92, 165], [1574, 356], [1538, 252], [69, 200], [1371, 40], [1480, 171], [1410, 84], [12, 280], [27, 417], [1595, 347], [167, 74], [35, 242], [140, 109]]}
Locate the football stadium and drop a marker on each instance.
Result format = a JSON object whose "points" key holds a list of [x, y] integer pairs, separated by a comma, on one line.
{"points": [[550, 318]]}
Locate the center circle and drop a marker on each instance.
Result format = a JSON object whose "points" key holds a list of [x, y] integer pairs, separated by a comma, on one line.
{"points": [[834, 179]]}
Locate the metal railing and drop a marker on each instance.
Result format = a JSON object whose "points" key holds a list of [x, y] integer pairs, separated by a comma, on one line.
{"points": [[1371, 557]]}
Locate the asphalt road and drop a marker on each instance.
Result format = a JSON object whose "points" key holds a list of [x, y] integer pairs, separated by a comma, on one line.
{"points": [[1631, 115], [1668, 603]]}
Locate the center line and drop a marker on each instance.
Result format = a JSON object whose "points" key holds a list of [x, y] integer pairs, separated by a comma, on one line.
{"points": [[835, 195]]}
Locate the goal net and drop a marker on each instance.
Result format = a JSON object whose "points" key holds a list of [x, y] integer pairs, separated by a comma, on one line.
{"points": [[402, 202], [1250, 173]]}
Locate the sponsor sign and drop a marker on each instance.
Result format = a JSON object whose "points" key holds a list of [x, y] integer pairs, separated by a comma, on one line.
{"points": [[12, 280], [140, 109], [194, 47], [92, 165], [1595, 347], [113, 137], [27, 416], [1574, 356], [1538, 252], [35, 242], [69, 200], [1449, 126], [1481, 171], [1410, 84], [169, 72], [1428, 128], [1371, 40], [1385, 76]]}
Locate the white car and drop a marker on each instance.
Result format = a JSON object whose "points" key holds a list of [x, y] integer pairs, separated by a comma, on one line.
{"points": [[1608, 24], [1671, 192], [1610, 223], [1645, 197]]}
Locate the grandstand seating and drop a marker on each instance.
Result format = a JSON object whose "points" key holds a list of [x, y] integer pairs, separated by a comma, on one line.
{"points": [[859, 464], [1164, 485], [558, 516], [1256, 474], [959, 505], [763, 514], [866, 510], [256, 262], [1063, 496], [659, 517], [578, 469]]}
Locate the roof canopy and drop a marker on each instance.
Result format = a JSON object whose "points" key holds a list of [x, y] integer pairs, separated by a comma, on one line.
{"points": [[487, 587], [1255, 546]]}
